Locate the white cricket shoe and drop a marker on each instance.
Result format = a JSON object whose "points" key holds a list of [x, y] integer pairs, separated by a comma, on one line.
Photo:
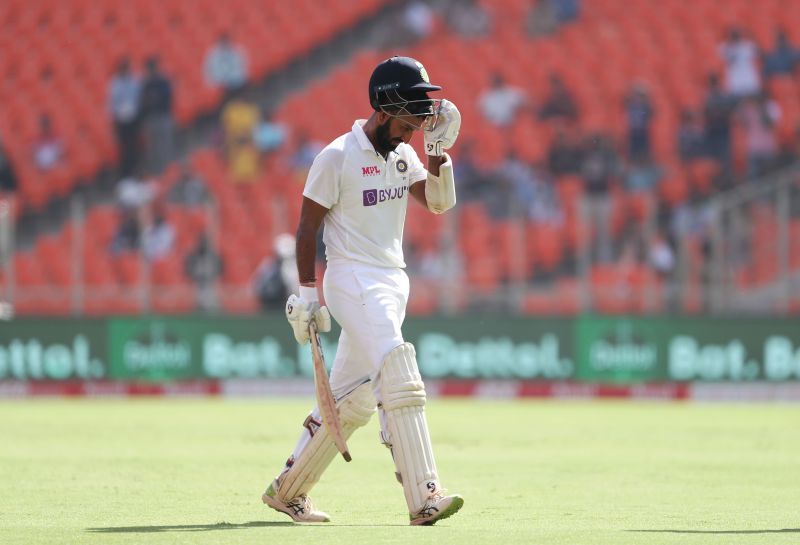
{"points": [[436, 508], [300, 508]]}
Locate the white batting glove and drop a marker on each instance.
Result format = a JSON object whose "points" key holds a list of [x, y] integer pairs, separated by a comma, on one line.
{"points": [[444, 134], [301, 310]]}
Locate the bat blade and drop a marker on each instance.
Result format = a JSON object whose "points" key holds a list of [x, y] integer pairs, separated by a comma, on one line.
{"points": [[325, 399]]}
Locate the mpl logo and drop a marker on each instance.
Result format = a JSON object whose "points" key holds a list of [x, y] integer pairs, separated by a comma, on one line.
{"points": [[374, 196], [370, 171]]}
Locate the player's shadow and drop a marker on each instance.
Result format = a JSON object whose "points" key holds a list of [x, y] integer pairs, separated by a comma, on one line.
{"points": [[215, 526], [775, 531], [187, 527]]}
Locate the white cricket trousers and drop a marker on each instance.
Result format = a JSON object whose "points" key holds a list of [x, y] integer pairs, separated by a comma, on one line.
{"points": [[369, 303]]}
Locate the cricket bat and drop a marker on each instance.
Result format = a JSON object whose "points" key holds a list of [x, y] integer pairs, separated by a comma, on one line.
{"points": [[325, 400]]}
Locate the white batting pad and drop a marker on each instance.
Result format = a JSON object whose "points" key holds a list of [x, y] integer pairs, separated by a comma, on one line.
{"points": [[316, 449], [405, 429]]}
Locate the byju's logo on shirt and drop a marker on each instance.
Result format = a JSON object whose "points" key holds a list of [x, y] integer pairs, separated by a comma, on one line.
{"points": [[370, 171], [374, 196]]}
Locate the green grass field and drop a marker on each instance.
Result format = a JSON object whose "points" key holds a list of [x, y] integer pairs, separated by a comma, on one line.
{"points": [[192, 471]]}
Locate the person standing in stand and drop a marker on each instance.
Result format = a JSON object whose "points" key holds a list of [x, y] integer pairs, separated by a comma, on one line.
{"points": [[156, 102]]}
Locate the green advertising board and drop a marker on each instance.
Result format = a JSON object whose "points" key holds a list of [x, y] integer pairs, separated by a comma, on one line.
{"points": [[588, 348], [184, 348], [493, 347], [637, 349], [53, 349], [161, 348]]}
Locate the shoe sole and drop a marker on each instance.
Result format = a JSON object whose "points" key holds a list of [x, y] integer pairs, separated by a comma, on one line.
{"points": [[268, 502], [267, 499], [452, 509]]}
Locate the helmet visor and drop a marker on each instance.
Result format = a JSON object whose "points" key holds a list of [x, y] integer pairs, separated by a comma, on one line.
{"points": [[419, 113]]}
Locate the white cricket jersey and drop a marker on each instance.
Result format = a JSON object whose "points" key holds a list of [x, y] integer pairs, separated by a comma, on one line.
{"points": [[367, 197]]}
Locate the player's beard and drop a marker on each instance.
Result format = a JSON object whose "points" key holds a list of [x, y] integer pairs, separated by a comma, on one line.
{"points": [[383, 142]]}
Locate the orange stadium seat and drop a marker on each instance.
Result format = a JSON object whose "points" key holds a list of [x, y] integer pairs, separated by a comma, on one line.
{"points": [[676, 47], [568, 296], [611, 292], [545, 245], [673, 190], [86, 39], [508, 245], [128, 266]]}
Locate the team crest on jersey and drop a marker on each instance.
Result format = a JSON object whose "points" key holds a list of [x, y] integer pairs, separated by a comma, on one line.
{"points": [[402, 166]]}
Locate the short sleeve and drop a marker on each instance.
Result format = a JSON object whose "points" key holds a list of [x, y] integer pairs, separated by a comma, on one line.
{"points": [[324, 178]]}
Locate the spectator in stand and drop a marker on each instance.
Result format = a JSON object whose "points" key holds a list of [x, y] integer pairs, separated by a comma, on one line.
{"points": [[566, 10], [758, 116], [790, 152], [158, 236], [469, 19], [501, 103], [783, 58], [599, 169], [541, 19], [134, 195], [691, 138], [240, 118], [642, 174], [305, 152], [226, 65], [156, 100], [497, 195], [203, 266], [741, 65], [135, 192], [519, 177], [8, 178], [429, 263], [718, 112], [276, 278], [660, 255], [190, 188], [418, 18], [415, 22], [546, 206], [48, 149], [639, 113], [128, 235], [693, 219], [560, 104], [123, 104], [473, 182], [268, 135], [564, 157]]}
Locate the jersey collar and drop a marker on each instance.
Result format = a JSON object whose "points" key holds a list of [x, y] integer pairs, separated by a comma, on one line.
{"points": [[361, 136]]}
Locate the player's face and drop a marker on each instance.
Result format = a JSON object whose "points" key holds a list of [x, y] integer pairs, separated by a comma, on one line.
{"points": [[395, 131]]}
